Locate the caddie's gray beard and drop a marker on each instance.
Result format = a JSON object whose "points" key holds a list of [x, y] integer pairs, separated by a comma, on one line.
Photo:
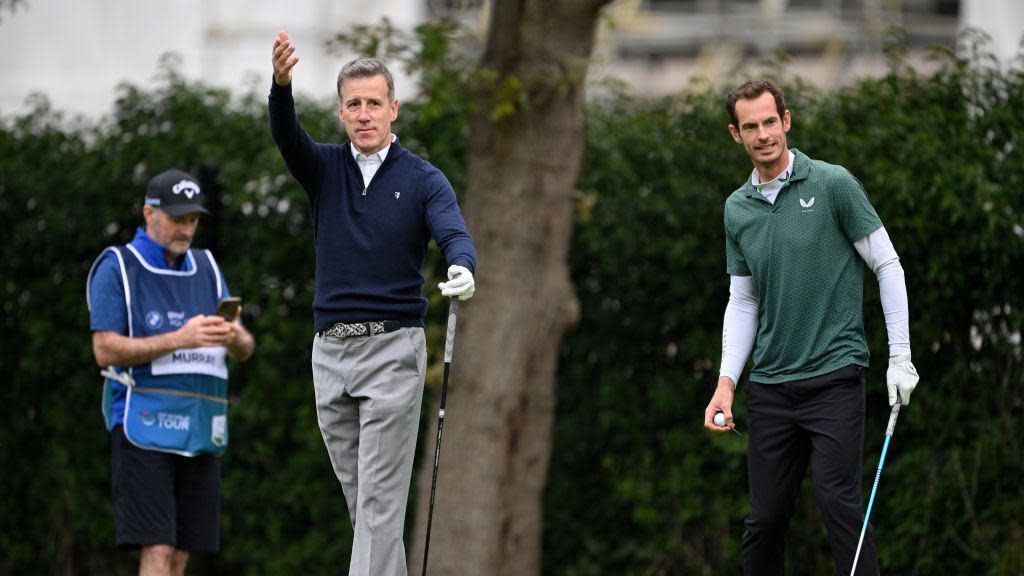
{"points": [[170, 247]]}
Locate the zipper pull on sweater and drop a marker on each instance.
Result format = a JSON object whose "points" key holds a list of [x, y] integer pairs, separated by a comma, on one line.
{"points": [[364, 191]]}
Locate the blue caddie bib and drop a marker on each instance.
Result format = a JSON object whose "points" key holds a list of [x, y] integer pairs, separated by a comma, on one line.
{"points": [[178, 402]]}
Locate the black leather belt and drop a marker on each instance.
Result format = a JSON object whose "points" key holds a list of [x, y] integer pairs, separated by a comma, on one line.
{"points": [[341, 330]]}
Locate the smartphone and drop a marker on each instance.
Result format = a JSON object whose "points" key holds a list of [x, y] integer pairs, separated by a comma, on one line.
{"points": [[228, 308]]}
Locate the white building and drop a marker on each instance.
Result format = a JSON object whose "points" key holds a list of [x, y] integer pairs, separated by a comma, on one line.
{"points": [[77, 51], [663, 45]]}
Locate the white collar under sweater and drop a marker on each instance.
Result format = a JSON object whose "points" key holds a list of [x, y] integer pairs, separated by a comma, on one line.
{"points": [[368, 165]]}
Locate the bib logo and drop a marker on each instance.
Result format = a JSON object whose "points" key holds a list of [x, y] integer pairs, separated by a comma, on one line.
{"points": [[172, 421], [147, 418], [154, 320], [186, 187], [176, 318]]}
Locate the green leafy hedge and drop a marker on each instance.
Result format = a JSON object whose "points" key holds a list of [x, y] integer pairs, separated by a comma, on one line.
{"points": [[636, 486]]}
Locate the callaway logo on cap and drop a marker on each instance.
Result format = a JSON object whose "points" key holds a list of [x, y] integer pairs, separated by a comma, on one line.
{"points": [[175, 192]]}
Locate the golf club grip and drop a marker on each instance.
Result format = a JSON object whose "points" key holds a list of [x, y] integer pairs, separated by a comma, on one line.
{"points": [[449, 339], [893, 415]]}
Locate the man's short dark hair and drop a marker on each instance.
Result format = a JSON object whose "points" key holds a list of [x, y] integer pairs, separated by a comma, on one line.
{"points": [[366, 68], [750, 90]]}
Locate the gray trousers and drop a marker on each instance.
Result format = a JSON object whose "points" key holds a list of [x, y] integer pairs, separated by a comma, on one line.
{"points": [[368, 396]]}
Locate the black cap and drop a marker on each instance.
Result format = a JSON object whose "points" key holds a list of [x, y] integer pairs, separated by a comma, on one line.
{"points": [[176, 193]]}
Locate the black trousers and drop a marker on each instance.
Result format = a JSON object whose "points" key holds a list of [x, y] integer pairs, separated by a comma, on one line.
{"points": [[819, 420]]}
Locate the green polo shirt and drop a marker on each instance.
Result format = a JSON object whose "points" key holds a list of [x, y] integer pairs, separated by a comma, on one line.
{"points": [[808, 276]]}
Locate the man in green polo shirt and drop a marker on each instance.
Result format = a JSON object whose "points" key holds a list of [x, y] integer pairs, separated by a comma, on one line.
{"points": [[798, 233]]}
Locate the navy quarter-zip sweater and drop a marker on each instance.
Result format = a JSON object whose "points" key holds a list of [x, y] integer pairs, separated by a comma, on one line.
{"points": [[370, 247]]}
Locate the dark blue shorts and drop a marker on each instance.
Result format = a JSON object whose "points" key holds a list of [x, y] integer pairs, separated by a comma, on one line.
{"points": [[162, 498]]}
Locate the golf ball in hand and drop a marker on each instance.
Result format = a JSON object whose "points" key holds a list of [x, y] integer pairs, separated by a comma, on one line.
{"points": [[720, 419]]}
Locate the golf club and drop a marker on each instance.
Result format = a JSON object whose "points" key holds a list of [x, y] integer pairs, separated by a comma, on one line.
{"points": [[878, 474], [449, 342]]}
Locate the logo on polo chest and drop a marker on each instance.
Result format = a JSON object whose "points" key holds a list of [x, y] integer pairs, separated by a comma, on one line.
{"points": [[397, 194], [806, 205]]}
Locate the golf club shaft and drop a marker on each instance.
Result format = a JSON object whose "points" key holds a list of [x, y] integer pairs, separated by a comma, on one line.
{"points": [[449, 343], [878, 475]]}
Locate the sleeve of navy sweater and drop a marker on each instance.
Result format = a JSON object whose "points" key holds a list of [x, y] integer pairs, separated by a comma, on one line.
{"points": [[446, 224], [301, 154]]}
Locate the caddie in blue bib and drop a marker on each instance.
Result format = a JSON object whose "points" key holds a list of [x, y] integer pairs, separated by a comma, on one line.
{"points": [[177, 402]]}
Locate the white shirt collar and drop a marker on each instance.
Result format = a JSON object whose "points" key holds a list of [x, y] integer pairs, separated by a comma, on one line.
{"points": [[381, 154], [755, 179]]}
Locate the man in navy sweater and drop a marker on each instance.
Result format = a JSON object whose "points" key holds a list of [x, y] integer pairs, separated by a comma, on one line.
{"points": [[374, 208]]}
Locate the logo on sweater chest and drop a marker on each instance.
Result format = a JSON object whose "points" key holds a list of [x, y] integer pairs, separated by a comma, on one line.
{"points": [[397, 194]]}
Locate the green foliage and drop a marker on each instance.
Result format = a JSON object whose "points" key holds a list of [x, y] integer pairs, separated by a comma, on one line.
{"points": [[636, 485]]}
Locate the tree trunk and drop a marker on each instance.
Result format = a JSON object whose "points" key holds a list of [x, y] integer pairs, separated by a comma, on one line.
{"points": [[522, 174]]}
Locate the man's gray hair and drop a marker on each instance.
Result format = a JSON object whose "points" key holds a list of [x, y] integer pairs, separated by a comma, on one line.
{"points": [[366, 68]]}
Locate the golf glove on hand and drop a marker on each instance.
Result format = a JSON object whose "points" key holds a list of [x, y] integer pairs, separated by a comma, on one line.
{"points": [[460, 283], [901, 377]]}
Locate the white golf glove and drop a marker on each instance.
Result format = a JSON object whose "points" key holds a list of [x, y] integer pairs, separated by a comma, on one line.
{"points": [[460, 283], [902, 377]]}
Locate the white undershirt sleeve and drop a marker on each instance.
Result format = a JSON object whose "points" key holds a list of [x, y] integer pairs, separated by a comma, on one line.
{"points": [[739, 327], [878, 252]]}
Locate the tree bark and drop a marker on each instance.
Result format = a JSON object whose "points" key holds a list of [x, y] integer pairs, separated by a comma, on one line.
{"points": [[522, 173]]}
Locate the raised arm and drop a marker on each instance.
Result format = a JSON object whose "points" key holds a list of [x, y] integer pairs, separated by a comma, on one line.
{"points": [[284, 59], [297, 148]]}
